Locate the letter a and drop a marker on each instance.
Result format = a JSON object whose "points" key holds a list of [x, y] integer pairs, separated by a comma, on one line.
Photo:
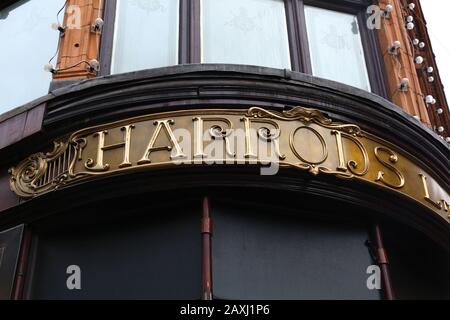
{"points": [[74, 280]]}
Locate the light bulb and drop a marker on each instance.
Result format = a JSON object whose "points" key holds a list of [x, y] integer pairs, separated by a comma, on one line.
{"points": [[388, 8], [429, 99], [422, 45], [430, 79], [430, 69], [49, 68], [58, 27], [441, 129], [433, 101], [410, 26], [99, 22], [419, 59], [447, 139], [98, 25], [409, 18], [411, 6], [94, 65], [440, 111], [416, 42], [395, 46], [404, 84]]}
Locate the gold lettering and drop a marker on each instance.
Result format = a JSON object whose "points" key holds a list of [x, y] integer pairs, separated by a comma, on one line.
{"points": [[446, 206], [265, 134], [352, 164], [249, 153], [427, 193], [169, 133], [322, 142], [272, 136], [393, 158], [216, 132], [98, 165]]}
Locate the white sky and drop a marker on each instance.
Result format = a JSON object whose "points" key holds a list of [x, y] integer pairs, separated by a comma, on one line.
{"points": [[436, 14]]}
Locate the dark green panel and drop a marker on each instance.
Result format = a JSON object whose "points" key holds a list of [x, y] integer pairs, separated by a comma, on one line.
{"points": [[155, 255], [259, 253], [10, 241]]}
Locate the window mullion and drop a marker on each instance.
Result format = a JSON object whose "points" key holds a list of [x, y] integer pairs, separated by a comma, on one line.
{"points": [[183, 34], [195, 30], [107, 40], [293, 34], [303, 44]]}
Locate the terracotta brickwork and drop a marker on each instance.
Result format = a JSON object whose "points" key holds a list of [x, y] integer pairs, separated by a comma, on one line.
{"points": [[401, 65], [435, 88], [79, 43]]}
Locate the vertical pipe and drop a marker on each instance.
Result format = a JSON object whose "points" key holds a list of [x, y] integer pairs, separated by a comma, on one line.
{"points": [[206, 234], [23, 265], [383, 262]]}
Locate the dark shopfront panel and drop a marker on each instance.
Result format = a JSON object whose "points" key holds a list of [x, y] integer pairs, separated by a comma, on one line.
{"points": [[154, 252], [266, 252], [265, 249], [150, 252]]}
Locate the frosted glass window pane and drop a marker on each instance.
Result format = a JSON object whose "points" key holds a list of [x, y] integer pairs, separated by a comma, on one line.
{"points": [[335, 47], [27, 42], [250, 32], [146, 35]]}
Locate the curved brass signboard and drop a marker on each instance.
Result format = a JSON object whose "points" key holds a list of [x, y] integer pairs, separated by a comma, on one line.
{"points": [[299, 138]]}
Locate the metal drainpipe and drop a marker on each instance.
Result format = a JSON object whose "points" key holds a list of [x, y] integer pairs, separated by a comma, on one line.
{"points": [[383, 262], [206, 234]]}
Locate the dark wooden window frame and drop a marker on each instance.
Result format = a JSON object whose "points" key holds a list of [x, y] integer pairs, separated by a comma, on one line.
{"points": [[372, 52], [189, 49], [7, 3]]}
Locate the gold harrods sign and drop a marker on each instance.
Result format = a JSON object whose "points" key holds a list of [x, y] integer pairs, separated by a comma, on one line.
{"points": [[299, 138]]}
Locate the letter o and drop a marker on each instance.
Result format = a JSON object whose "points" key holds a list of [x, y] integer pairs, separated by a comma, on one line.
{"points": [[321, 140]]}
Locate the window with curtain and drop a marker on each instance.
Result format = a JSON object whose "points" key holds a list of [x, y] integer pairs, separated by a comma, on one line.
{"points": [[250, 32], [327, 41], [146, 35], [27, 43], [336, 48]]}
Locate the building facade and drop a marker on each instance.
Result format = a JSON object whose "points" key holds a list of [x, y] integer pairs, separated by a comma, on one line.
{"points": [[207, 149]]}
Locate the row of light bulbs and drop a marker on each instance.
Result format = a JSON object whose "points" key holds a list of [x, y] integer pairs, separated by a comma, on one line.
{"points": [[93, 65], [429, 99]]}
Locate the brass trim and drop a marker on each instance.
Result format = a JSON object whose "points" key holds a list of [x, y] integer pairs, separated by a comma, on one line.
{"points": [[344, 151]]}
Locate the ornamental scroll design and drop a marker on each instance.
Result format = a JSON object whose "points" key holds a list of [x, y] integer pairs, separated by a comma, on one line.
{"points": [[44, 172], [308, 116]]}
